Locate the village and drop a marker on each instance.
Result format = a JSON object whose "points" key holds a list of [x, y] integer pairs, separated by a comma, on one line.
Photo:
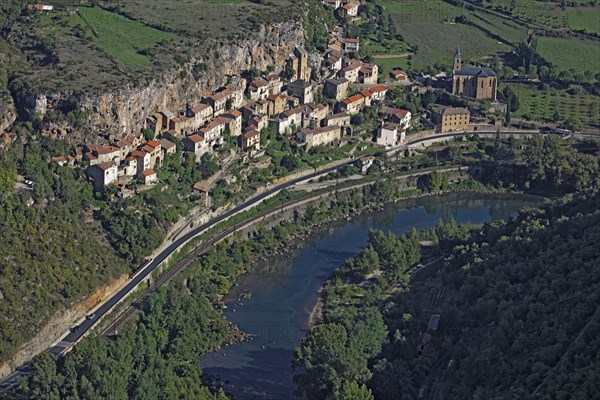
{"points": [[308, 112]]}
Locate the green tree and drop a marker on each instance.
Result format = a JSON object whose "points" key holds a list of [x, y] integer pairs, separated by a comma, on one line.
{"points": [[353, 391]]}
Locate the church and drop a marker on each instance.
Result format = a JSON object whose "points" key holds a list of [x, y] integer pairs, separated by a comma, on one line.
{"points": [[476, 82]]}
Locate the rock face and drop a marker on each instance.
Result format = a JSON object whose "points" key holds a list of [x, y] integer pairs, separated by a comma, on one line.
{"points": [[118, 112]]}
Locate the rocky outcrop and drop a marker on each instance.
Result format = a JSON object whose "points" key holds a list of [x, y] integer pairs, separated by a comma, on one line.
{"points": [[8, 114], [120, 111]]}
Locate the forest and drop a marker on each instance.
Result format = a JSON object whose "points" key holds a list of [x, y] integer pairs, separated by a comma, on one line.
{"points": [[518, 307]]}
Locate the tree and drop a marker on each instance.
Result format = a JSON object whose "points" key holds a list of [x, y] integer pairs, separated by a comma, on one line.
{"points": [[353, 391], [148, 134]]}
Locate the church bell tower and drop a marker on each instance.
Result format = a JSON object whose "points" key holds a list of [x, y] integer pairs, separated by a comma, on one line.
{"points": [[457, 60]]}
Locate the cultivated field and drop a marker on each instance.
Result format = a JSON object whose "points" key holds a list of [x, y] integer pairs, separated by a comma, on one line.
{"points": [[579, 55], [543, 105], [548, 14], [587, 18]]}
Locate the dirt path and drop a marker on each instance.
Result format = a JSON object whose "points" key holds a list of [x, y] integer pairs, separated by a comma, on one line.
{"points": [[392, 55]]}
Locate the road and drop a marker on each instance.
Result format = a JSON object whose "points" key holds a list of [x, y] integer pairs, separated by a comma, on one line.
{"points": [[71, 338]]}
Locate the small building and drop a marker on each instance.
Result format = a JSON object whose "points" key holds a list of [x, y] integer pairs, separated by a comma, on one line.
{"points": [[148, 177], [301, 89], [318, 136], [275, 84], [389, 134], [333, 62], [313, 114], [201, 189], [350, 70], [399, 75], [378, 92], [128, 167], [364, 163], [42, 8], [339, 119], [351, 45], [349, 9], [258, 89], [60, 160], [397, 116], [167, 146], [142, 159], [352, 105], [102, 174], [195, 144], [276, 104], [336, 89], [368, 74], [451, 119], [200, 114], [251, 140]]}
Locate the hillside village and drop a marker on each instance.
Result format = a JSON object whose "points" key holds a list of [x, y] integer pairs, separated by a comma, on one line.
{"points": [[309, 112]]}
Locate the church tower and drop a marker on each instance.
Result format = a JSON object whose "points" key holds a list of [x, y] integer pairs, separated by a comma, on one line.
{"points": [[457, 60]]}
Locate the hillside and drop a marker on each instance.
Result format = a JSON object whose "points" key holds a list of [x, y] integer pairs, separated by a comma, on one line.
{"points": [[517, 305]]}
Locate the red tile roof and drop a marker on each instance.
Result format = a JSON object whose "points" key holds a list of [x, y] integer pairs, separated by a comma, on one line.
{"points": [[353, 99]]}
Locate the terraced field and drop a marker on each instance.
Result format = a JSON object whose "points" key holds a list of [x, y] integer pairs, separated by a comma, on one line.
{"points": [[548, 103], [587, 18]]}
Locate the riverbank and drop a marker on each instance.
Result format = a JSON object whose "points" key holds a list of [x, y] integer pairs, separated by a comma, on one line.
{"points": [[284, 288]]}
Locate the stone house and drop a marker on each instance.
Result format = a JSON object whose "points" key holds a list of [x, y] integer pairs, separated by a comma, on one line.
{"points": [[339, 119], [195, 144], [167, 147], [349, 9], [148, 177], [233, 122], [389, 134], [313, 114], [350, 70], [155, 150], [336, 89], [364, 163], [276, 104], [351, 105], [251, 140], [397, 116], [378, 92], [351, 45], [258, 89], [142, 159], [128, 167], [275, 83], [368, 74], [301, 89], [318, 136], [200, 113], [103, 174], [399, 75]]}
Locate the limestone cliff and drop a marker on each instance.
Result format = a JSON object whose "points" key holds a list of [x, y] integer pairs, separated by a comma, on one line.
{"points": [[120, 111]]}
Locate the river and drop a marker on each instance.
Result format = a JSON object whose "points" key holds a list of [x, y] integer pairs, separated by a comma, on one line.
{"points": [[284, 289]]}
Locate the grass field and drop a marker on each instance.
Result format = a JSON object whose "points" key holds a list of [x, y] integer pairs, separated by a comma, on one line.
{"points": [[388, 64], [542, 104], [120, 37], [566, 54], [428, 25], [587, 18]]}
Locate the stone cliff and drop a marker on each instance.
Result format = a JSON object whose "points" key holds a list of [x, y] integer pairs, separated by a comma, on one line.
{"points": [[117, 112]]}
